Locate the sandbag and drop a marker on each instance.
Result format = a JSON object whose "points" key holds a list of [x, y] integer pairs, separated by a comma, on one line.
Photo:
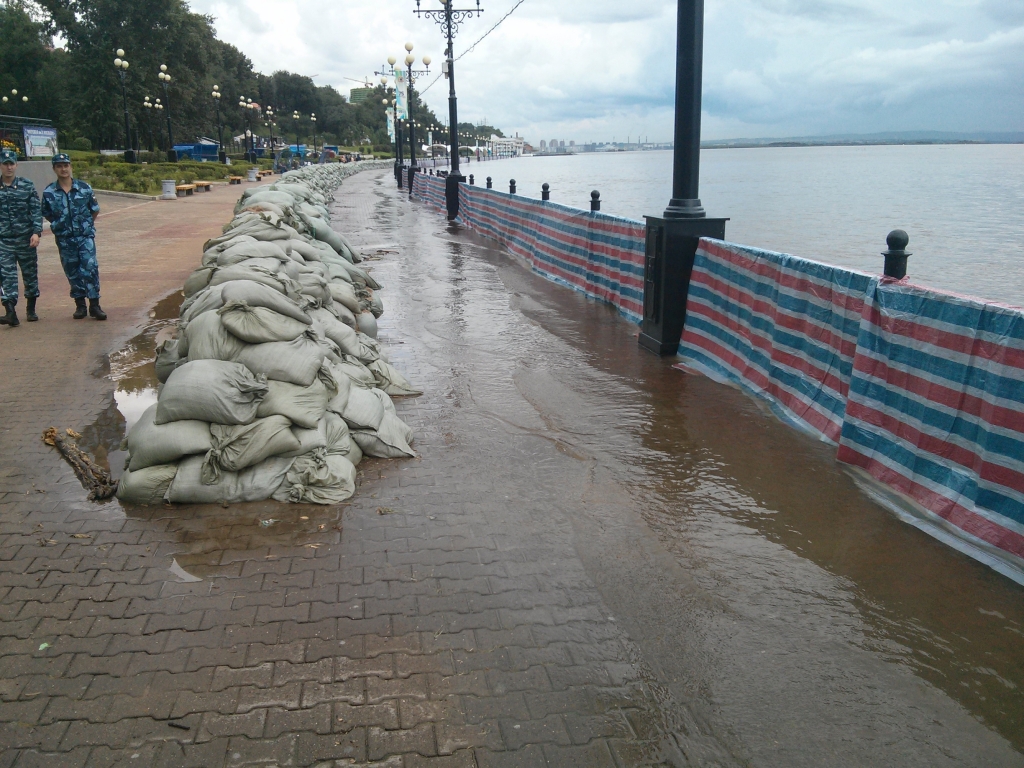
{"points": [[206, 338], [390, 380], [336, 271], [231, 242], [367, 324], [345, 294], [327, 324], [255, 249], [354, 370], [167, 359], [344, 314], [204, 301], [303, 406], [257, 294], [363, 409], [387, 441], [198, 280], [214, 391], [257, 274], [376, 306], [237, 447], [316, 286], [318, 478], [255, 483], [361, 275], [309, 440], [308, 252], [297, 361], [150, 443], [259, 325], [146, 487], [338, 438]]}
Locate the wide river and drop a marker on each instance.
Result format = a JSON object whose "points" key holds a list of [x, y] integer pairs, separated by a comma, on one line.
{"points": [[962, 205]]}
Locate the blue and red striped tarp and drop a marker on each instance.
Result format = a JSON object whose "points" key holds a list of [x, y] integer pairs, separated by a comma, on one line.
{"points": [[600, 255], [923, 390], [429, 189]]}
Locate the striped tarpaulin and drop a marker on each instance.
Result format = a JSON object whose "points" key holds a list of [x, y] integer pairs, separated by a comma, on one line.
{"points": [[602, 256], [936, 408], [429, 189], [921, 389]]}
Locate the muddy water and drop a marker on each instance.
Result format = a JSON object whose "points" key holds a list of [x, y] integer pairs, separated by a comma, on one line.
{"points": [[817, 627]]}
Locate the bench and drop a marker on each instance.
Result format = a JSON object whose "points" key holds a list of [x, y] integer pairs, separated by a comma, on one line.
{"points": [[205, 186], [260, 175], [181, 190], [234, 179]]}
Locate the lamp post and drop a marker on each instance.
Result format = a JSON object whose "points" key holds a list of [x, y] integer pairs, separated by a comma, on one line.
{"points": [[148, 106], [399, 161], [270, 124], [165, 78], [673, 237], [122, 68], [413, 73], [449, 19], [222, 155], [312, 118], [296, 117]]}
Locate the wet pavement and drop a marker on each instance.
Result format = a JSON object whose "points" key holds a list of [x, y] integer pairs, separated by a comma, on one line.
{"points": [[596, 560]]}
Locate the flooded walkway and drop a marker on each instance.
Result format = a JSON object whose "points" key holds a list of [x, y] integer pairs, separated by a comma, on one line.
{"points": [[595, 561]]}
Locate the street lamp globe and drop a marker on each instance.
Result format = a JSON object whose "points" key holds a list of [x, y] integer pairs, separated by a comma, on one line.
{"points": [[5, 100], [117, 63], [426, 61], [392, 60], [120, 52], [163, 67], [24, 98], [408, 47]]}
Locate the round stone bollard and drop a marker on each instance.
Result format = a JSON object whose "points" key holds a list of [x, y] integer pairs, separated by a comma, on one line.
{"points": [[595, 201], [490, 183], [896, 255], [545, 191], [252, 174], [167, 189], [512, 186]]}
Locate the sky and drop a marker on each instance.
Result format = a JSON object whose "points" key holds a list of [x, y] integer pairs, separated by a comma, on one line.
{"points": [[603, 70]]}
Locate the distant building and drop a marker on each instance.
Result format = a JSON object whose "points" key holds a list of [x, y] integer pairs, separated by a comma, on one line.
{"points": [[572, 143], [561, 145], [543, 145], [359, 95]]}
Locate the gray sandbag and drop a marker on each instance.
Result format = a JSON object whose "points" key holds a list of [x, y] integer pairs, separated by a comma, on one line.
{"points": [[256, 483], [146, 487], [259, 325], [367, 324], [231, 242], [255, 249], [303, 406], [167, 359], [204, 301], [282, 199], [363, 409], [318, 478], [342, 313], [345, 294], [309, 440], [275, 279], [256, 294], [198, 280], [297, 361], [390, 380], [371, 348], [327, 324], [237, 447], [376, 305], [309, 253], [213, 391], [342, 390], [206, 338], [338, 438], [150, 443], [354, 370], [264, 206], [336, 271], [325, 234], [387, 441], [389, 407], [360, 275], [317, 287]]}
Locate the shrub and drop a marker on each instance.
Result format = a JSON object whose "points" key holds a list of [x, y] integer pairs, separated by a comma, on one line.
{"points": [[81, 144]]}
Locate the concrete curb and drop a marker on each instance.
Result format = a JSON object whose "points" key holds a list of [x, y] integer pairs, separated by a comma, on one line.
{"points": [[125, 194]]}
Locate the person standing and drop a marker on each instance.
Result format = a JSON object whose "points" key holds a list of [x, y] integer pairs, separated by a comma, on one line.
{"points": [[70, 206], [20, 228]]}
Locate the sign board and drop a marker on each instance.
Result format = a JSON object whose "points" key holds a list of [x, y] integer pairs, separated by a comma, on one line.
{"points": [[40, 142], [391, 123], [401, 95]]}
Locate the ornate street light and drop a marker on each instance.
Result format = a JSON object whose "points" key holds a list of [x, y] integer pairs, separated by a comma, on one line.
{"points": [[165, 78], [399, 160], [312, 118], [122, 68], [413, 74], [449, 19], [222, 155]]}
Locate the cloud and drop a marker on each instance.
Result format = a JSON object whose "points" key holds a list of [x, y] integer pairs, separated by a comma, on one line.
{"points": [[594, 69]]}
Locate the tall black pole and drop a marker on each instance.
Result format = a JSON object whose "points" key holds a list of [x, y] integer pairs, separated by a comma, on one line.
{"points": [[172, 156], [129, 155], [453, 102], [412, 127], [685, 202], [400, 167]]}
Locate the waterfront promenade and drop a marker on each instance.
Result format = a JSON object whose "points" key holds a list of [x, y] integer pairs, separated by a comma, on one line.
{"points": [[595, 561]]}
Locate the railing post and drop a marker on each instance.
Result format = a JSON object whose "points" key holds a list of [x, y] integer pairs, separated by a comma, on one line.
{"points": [[595, 201], [490, 183], [512, 186], [472, 181], [896, 256], [545, 191]]}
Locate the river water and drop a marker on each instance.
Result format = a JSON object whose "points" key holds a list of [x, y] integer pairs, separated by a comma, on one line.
{"points": [[962, 205]]}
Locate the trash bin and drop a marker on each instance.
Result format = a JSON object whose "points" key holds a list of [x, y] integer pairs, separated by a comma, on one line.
{"points": [[252, 174], [168, 189]]}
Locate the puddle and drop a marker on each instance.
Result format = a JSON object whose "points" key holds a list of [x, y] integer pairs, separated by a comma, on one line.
{"points": [[133, 370]]}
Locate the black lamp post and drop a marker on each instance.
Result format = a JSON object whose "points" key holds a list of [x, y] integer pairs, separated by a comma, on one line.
{"points": [[270, 124], [172, 156], [672, 238], [222, 155], [449, 19], [384, 75], [122, 68], [413, 73], [312, 118]]}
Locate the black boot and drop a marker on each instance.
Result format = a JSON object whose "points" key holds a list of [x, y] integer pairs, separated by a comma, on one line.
{"points": [[95, 311], [30, 309], [80, 310], [11, 318]]}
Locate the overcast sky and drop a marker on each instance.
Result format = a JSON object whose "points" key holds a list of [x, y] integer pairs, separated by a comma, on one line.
{"points": [[602, 69]]}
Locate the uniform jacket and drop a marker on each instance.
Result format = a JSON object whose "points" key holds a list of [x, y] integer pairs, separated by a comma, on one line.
{"points": [[70, 213], [20, 215]]}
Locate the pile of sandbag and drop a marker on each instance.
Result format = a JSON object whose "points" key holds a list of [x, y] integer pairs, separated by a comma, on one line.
{"points": [[275, 386]]}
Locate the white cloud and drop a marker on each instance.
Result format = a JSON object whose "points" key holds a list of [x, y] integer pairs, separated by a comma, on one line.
{"points": [[594, 69]]}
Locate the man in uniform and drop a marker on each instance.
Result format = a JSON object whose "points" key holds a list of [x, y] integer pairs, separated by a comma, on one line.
{"points": [[20, 227], [70, 207]]}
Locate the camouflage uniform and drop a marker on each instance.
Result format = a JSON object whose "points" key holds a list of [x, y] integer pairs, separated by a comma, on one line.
{"points": [[20, 218], [71, 220]]}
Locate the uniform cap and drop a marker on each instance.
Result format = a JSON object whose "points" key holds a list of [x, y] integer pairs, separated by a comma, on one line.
{"points": [[8, 156], [63, 157]]}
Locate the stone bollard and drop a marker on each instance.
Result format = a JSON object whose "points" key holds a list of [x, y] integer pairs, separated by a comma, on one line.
{"points": [[252, 174], [490, 183], [896, 256], [595, 201], [472, 181], [512, 186], [545, 191], [167, 186]]}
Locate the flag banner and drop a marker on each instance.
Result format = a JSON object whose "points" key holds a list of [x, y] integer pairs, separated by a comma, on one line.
{"points": [[401, 96], [391, 123]]}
